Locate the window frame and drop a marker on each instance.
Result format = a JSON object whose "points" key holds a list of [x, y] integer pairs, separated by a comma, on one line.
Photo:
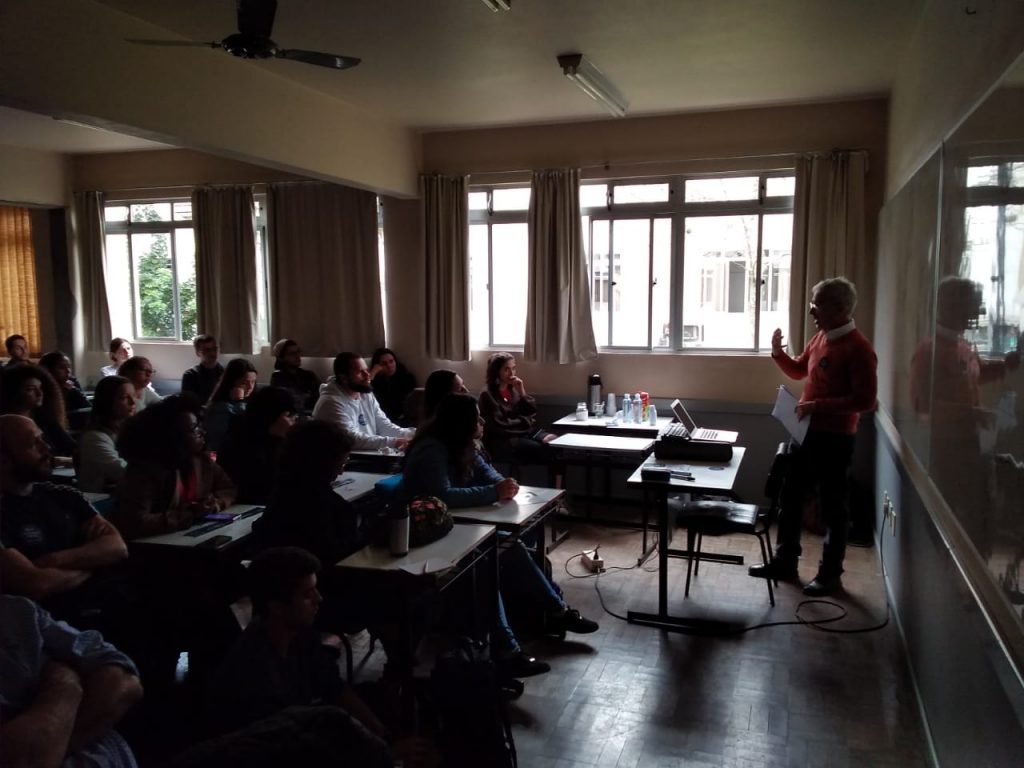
{"points": [[129, 228]]}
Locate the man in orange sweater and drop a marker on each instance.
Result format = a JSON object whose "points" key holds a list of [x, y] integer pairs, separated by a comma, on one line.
{"points": [[840, 369]]}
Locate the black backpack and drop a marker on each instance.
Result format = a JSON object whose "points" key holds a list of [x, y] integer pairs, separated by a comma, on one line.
{"points": [[469, 710]]}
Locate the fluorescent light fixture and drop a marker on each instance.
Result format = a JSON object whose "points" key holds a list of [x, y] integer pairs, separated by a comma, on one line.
{"points": [[592, 82], [498, 5]]}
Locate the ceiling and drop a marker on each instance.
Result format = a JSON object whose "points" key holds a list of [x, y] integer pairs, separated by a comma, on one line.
{"points": [[436, 64], [27, 129]]}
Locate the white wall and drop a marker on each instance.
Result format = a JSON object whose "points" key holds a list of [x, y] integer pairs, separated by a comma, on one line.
{"points": [[33, 177]]}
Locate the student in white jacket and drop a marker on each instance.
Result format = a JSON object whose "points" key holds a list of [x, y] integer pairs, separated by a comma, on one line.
{"points": [[347, 400]]}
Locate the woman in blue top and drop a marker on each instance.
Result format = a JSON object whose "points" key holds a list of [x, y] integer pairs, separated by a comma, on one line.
{"points": [[443, 461], [228, 400]]}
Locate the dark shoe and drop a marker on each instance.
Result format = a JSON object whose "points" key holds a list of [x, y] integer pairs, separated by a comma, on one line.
{"points": [[510, 689], [777, 570], [569, 620], [822, 586], [520, 665]]}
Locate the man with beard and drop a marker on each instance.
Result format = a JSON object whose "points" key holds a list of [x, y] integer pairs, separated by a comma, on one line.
{"points": [[840, 368], [51, 538], [347, 400]]}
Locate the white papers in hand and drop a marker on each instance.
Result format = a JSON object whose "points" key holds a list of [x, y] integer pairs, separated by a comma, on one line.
{"points": [[433, 565], [785, 412]]}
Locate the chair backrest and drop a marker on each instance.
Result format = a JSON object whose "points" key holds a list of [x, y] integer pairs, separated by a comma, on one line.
{"points": [[777, 474]]}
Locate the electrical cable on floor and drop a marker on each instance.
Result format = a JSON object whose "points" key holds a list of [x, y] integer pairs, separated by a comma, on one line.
{"points": [[815, 624]]}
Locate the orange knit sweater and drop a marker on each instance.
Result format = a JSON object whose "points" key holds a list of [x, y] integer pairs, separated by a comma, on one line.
{"points": [[842, 379]]}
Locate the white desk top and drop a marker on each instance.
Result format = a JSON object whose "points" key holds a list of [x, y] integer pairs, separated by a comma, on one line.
{"points": [[435, 557], [603, 442], [513, 513], [237, 529], [64, 473], [707, 475], [352, 486], [600, 424]]}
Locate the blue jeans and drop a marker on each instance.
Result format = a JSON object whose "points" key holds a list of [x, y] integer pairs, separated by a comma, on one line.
{"points": [[521, 579]]}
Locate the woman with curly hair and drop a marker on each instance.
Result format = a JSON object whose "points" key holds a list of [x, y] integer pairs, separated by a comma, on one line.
{"points": [[28, 390]]}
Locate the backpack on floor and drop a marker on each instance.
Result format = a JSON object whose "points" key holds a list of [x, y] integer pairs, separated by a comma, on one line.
{"points": [[469, 711]]}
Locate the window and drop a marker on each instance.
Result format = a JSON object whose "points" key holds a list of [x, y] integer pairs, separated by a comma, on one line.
{"points": [[687, 262], [262, 272], [498, 266], [674, 263], [151, 269]]}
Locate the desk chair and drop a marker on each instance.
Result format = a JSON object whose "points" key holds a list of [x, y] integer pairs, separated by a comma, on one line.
{"points": [[717, 517]]}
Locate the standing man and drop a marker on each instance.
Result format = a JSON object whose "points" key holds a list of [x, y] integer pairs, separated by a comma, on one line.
{"points": [[840, 368], [201, 379], [347, 400], [17, 349]]}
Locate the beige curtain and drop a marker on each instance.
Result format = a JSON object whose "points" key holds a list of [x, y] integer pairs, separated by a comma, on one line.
{"points": [[92, 259], [225, 232], [828, 234], [558, 324], [446, 249], [325, 269]]}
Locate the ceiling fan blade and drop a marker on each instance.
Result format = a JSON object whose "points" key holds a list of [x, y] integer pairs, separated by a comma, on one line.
{"points": [[173, 43], [320, 59], [256, 17]]}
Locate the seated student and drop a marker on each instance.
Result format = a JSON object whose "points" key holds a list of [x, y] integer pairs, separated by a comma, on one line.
{"points": [[120, 350], [392, 382], [201, 379], [139, 371], [51, 539], [279, 661], [443, 461], [28, 390], [510, 415], [289, 374], [17, 349], [439, 383], [228, 400], [100, 466], [347, 400], [253, 444], [170, 481], [58, 365], [62, 692]]}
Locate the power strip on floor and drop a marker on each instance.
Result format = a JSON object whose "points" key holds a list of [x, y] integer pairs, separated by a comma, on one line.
{"points": [[592, 560]]}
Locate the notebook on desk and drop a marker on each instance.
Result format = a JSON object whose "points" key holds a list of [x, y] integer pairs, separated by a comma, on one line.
{"points": [[700, 433]]}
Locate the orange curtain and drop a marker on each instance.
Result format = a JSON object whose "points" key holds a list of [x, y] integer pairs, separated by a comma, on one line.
{"points": [[19, 301]]}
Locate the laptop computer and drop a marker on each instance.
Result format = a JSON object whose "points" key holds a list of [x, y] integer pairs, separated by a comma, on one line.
{"points": [[701, 433]]}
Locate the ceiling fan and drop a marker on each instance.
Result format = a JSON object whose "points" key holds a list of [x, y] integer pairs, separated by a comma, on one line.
{"points": [[252, 40]]}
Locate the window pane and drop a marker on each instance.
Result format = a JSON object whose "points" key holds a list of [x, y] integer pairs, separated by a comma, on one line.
{"points": [[185, 251], [631, 245], [151, 212], [1016, 174], [983, 176], [479, 308], [262, 291], [600, 280], [780, 186], [119, 285], [517, 199], [719, 257], [661, 294], [183, 211], [118, 213], [154, 285], [719, 190], [509, 262], [478, 201], [593, 196], [776, 257], [640, 193]]}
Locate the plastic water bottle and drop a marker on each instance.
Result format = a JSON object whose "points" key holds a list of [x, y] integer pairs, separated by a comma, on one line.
{"points": [[398, 530], [652, 415], [627, 409], [638, 409]]}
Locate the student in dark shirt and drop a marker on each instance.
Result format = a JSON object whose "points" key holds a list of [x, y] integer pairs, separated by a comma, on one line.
{"points": [[28, 390], [392, 382], [289, 373], [59, 366], [228, 400], [17, 349], [252, 447], [201, 379]]}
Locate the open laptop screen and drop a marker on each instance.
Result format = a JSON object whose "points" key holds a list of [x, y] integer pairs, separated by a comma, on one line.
{"points": [[682, 415]]}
